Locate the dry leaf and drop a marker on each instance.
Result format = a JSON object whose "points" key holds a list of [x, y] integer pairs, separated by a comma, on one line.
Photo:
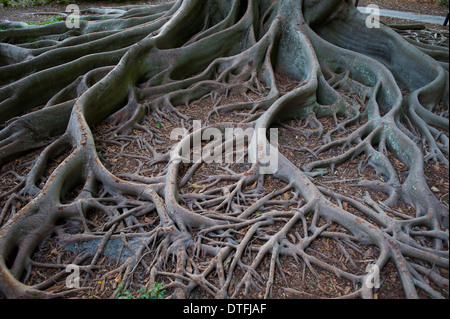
{"points": [[434, 189], [368, 253]]}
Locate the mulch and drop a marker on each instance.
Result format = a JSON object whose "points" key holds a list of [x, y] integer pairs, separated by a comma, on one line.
{"points": [[431, 7]]}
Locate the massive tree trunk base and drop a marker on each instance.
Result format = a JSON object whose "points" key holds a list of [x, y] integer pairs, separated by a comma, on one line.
{"points": [[87, 157]]}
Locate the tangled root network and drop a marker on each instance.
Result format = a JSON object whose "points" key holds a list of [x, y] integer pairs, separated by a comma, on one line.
{"points": [[92, 176]]}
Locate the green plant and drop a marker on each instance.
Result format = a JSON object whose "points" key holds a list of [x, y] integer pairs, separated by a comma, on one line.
{"points": [[156, 292], [445, 2]]}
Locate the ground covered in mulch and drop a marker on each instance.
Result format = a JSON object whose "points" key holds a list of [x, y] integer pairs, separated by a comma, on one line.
{"points": [[429, 7]]}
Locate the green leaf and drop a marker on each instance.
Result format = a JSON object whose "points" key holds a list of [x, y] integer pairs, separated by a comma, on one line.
{"points": [[158, 124]]}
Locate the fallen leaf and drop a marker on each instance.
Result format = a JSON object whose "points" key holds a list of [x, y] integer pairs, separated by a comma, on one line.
{"points": [[292, 237], [435, 189], [147, 220]]}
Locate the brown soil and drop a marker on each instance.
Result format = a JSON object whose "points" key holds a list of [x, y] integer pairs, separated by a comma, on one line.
{"points": [[431, 7]]}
